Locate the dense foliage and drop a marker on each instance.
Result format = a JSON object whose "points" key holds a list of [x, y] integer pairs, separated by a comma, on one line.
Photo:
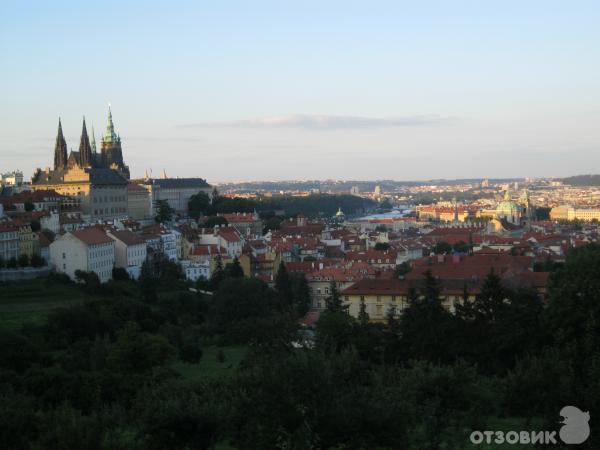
{"points": [[313, 205], [103, 374]]}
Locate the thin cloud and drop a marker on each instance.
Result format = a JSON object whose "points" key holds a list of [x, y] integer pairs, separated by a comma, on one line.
{"points": [[326, 122]]}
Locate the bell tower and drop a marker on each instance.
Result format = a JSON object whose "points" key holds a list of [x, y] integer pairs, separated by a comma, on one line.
{"points": [[112, 154]]}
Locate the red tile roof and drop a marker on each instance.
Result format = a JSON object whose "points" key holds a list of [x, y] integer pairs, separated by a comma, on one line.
{"points": [[128, 237], [92, 236]]}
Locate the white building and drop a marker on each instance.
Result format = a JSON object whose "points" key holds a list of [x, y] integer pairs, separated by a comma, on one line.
{"points": [[168, 244], [225, 237], [14, 178], [195, 270], [89, 250], [50, 221], [130, 252]]}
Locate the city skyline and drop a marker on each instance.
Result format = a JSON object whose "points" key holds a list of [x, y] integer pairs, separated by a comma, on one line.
{"points": [[311, 91]]}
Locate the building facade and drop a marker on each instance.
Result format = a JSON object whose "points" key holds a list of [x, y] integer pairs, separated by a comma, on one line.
{"points": [[96, 182], [88, 250], [130, 252]]}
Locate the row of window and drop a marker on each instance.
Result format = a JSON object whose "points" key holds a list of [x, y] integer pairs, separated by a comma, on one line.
{"points": [[107, 199], [100, 264], [112, 211]]}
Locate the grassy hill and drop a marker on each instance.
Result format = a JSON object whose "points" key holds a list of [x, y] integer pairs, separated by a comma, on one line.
{"points": [[582, 180], [29, 302]]}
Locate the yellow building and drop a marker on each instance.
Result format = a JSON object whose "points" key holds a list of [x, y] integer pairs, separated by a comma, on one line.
{"points": [[28, 240], [381, 296]]}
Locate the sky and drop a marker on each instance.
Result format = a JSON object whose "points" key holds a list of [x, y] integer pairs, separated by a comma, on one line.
{"points": [[272, 90]]}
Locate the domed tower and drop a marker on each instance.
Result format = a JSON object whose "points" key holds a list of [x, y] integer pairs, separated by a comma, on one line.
{"points": [[112, 154], [509, 210]]}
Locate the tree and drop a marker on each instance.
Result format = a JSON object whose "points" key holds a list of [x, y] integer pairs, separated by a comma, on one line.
{"points": [[135, 351], [426, 326], [382, 246], [461, 247], [283, 285], [198, 204], [247, 310], [29, 206], [217, 276], [23, 260], [441, 247], [301, 294], [574, 291], [164, 212], [148, 282], [272, 224], [120, 274], [402, 269], [542, 213], [90, 280], [37, 261], [234, 269], [35, 226], [334, 301], [190, 352], [214, 221], [363, 315]]}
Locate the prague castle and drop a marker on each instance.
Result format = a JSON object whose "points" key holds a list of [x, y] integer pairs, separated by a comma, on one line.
{"points": [[97, 182]]}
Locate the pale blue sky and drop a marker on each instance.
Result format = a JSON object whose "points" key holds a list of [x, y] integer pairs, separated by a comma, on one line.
{"points": [[233, 90]]}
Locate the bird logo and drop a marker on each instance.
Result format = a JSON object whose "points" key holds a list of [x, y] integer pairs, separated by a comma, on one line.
{"points": [[575, 429]]}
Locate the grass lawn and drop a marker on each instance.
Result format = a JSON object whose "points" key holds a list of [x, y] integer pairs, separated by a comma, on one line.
{"points": [[209, 366], [28, 302]]}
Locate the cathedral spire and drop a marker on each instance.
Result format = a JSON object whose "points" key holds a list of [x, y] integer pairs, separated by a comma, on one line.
{"points": [[110, 135], [85, 149], [93, 140], [60, 149]]}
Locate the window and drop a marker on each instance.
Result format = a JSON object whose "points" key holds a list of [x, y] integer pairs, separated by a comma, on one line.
{"points": [[64, 256]]}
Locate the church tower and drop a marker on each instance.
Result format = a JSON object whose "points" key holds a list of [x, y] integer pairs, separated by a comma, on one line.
{"points": [[112, 154], [85, 149], [60, 150]]}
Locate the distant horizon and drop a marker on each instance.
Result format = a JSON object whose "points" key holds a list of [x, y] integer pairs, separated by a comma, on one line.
{"points": [[266, 90]]}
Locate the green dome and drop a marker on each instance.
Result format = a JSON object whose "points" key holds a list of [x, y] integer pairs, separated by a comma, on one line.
{"points": [[507, 205]]}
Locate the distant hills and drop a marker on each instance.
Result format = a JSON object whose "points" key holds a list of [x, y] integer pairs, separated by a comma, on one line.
{"points": [[582, 180]]}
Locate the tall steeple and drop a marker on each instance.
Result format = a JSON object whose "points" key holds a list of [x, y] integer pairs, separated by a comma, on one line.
{"points": [[110, 136], [112, 155], [93, 140], [60, 149], [85, 149]]}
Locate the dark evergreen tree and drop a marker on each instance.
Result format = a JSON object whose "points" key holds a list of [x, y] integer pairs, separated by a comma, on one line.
{"points": [[301, 294], [234, 269], [426, 326], [164, 212], [217, 276], [363, 315], [283, 285], [334, 300]]}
